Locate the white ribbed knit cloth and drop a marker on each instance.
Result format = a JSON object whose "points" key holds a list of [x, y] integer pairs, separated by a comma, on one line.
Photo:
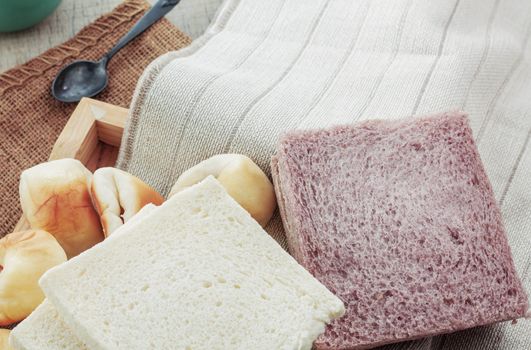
{"points": [[267, 66]]}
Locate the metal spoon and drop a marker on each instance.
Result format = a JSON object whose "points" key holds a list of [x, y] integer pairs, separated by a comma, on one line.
{"points": [[88, 78]]}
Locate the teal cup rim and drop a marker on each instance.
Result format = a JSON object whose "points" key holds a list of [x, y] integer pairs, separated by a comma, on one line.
{"points": [[17, 15]]}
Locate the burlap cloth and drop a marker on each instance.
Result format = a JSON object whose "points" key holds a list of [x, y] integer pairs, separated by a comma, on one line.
{"points": [[31, 120]]}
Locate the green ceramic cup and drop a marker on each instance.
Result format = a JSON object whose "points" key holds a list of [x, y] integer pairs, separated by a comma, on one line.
{"points": [[21, 14]]}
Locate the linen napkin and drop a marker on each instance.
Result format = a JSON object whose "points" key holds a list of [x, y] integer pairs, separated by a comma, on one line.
{"points": [[264, 67], [31, 120]]}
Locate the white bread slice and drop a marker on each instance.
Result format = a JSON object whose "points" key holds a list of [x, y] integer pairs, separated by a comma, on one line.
{"points": [[45, 329], [197, 273]]}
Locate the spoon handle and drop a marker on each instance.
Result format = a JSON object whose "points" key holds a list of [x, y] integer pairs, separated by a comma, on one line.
{"points": [[158, 11]]}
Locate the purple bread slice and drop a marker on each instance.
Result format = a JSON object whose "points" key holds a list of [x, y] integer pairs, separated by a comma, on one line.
{"points": [[399, 220]]}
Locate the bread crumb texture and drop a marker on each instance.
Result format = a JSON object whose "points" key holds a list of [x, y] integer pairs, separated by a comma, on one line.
{"points": [[399, 220], [44, 330], [197, 273]]}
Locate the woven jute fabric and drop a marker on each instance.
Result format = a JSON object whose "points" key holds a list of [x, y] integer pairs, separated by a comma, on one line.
{"points": [[31, 120], [265, 67]]}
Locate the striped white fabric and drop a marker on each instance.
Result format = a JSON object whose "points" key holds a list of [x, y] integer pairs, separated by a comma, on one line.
{"points": [[264, 67]]}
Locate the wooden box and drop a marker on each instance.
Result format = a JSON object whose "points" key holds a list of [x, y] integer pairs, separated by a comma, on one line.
{"points": [[92, 135]]}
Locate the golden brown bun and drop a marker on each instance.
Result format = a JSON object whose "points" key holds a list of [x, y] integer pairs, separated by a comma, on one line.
{"points": [[118, 196], [25, 256], [4, 339], [55, 197], [242, 179]]}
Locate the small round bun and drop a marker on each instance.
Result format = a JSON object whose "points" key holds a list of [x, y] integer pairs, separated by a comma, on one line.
{"points": [[242, 179], [55, 197], [118, 196], [4, 339], [24, 257]]}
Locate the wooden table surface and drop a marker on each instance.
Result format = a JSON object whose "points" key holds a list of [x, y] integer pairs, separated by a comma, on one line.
{"points": [[191, 16]]}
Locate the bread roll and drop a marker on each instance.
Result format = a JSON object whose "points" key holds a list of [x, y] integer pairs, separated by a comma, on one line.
{"points": [[241, 178], [4, 339], [55, 197], [118, 196], [24, 257]]}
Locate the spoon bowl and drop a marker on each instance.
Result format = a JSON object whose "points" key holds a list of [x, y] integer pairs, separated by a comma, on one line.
{"points": [[88, 78], [80, 79]]}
